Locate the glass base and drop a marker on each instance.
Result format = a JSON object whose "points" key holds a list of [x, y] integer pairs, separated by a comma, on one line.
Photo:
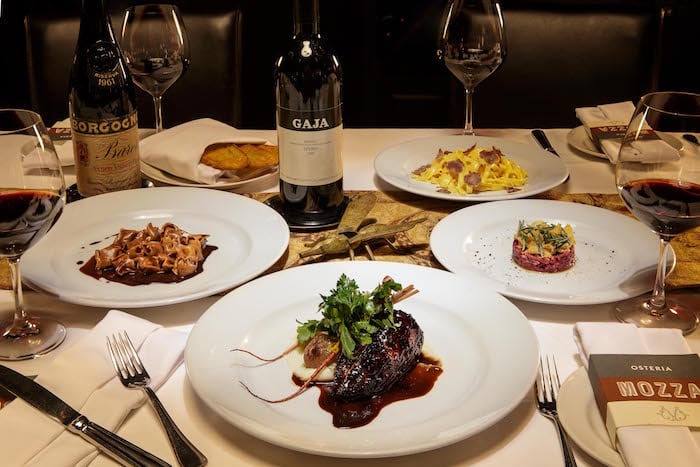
{"points": [[639, 311], [51, 334]]}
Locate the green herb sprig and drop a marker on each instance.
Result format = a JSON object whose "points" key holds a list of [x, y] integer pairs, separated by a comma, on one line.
{"points": [[352, 316]]}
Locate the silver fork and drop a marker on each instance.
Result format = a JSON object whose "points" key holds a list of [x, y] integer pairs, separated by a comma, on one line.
{"points": [[134, 376], [546, 393]]}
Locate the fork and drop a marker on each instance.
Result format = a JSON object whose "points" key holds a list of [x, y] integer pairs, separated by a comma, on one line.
{"points": [[133, 375], [546, 393]]}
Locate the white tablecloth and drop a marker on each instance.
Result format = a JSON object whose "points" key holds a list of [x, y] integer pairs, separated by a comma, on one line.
{"points": [[523, 437]]}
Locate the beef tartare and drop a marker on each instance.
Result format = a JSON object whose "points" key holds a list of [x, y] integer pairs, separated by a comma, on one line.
{"points": [[544, 247]]}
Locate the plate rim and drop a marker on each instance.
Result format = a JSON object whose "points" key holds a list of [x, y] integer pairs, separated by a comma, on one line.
{"points": [[386, 153], [372, 450], [440, 229], [580, 131], [281, 236], [572, 397]]}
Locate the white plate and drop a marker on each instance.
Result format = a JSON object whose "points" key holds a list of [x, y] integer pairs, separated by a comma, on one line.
{"points": [[579, 139], [155, 173], [581, 419], [615, 255], [481, 383], [249, 235], [395, 164]]}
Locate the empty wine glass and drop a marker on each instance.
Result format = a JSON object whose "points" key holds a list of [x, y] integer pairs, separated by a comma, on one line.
{"points": [[472, 44], [156, 49], [658, 178], [32, 196]]}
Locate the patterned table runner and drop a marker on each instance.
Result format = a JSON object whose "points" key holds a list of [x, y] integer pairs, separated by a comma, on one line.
{"points": [[413, 246]]}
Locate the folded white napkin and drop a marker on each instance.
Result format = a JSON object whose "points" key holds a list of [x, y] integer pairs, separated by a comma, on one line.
{"points": [[177, 150], [618, 116], [84, 377], [643, 446]]}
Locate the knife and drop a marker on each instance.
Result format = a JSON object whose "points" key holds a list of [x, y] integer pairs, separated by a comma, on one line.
{"points": [[544, 142], [41, 398]]}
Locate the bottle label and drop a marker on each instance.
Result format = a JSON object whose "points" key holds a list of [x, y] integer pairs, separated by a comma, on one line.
{"points": [[103, 60], [310, 146], [106, 154]]}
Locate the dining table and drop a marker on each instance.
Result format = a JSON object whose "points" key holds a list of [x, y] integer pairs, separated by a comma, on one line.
{"points": [[521, 437]]}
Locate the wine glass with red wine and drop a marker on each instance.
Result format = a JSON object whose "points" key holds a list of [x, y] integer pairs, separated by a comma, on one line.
{"points": [[473, 45], [156, 49], [32, 196], [658, 178]]}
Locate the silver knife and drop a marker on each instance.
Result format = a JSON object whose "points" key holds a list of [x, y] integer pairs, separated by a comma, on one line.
{"points": [[544, 141], [41, 398]]}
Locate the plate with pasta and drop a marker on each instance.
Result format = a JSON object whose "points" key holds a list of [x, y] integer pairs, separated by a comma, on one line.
{"points": [[470, 168]]}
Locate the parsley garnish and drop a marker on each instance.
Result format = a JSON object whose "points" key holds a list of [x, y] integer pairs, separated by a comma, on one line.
{"points": [[352, 316]]}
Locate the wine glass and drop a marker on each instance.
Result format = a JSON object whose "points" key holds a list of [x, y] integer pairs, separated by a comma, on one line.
{"points": [[658, 177], [472, 44], [156, 49], [32, 196]]}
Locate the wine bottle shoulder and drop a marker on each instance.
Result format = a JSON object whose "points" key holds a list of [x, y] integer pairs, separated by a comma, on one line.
{"points": [[100, 83], [305, 51]]}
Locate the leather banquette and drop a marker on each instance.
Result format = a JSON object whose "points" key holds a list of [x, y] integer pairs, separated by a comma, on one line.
{"points": [[211, 87]]}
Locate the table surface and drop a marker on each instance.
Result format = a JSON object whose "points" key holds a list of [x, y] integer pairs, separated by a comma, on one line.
{"points": [[523, 437]]}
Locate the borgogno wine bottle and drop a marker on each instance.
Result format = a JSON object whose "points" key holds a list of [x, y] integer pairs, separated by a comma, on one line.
{"points": [[308, 83], [102, 108]]}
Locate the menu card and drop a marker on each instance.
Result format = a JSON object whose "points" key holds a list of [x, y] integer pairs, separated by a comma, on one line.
{"points": [[646, 389]]}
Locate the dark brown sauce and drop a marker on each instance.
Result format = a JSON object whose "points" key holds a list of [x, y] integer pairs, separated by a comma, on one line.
{"points": [[141, 278], [418, 382]]}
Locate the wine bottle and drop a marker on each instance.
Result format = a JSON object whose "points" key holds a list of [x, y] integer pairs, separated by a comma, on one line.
{"points": [[102, 108], [308, 90]]}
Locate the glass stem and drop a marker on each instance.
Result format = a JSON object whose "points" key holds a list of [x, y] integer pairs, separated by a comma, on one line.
{"points": [[658, 296], [159, 113], [21, 324], [468, 127]]}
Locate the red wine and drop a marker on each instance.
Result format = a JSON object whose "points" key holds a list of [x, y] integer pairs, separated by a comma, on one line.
{"points": [[102, 101], [669, 207], [25, 217], [308, 88]]}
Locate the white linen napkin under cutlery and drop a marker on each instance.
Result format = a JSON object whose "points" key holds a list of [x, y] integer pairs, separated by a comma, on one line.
{"points": [[83, 376], [648, 445]]}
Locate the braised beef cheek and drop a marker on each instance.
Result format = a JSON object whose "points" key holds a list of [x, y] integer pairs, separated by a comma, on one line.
{"points": [[377, 366]]}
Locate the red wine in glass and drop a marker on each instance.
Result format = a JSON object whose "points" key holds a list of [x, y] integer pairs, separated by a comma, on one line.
{"points": [[668, 207], [25, 217], [658, 178], [32, 196]]}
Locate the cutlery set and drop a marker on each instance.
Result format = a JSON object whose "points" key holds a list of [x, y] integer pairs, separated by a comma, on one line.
{"points": [[133, 375]]}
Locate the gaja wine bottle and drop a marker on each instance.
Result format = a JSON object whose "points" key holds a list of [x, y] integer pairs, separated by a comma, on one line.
{"points": [[102, 108], [308, 88]]}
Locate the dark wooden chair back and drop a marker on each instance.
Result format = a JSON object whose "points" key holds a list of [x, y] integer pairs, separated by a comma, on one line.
{"points": [[211, 87]]}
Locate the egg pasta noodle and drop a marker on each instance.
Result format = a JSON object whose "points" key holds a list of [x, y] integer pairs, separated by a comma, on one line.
{"points": [[473, 170]]}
